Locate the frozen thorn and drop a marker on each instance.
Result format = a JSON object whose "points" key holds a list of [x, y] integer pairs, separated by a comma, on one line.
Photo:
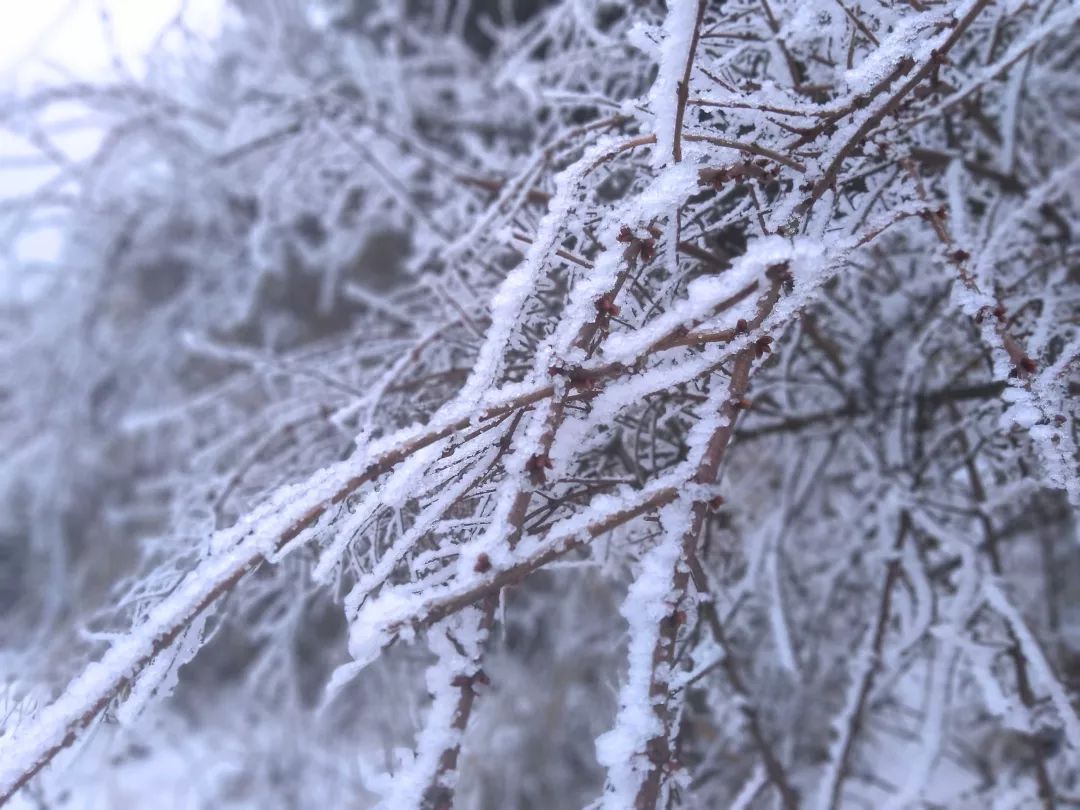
{"points": [[537, 467], [714, 177], [648, 249], [469, 682], [583, 381], [656, 751], [606, 306], [780, 272]]}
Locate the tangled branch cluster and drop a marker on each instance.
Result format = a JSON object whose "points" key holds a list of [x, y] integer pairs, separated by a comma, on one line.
{"points": [[757, 318]]}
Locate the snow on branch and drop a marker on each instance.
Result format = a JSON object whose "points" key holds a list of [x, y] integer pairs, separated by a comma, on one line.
{"points": [[393, 348]]}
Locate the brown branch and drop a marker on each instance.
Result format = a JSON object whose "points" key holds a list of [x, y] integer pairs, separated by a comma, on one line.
{"points": [[127, 668], [866, 683], [1023, 364], [533, 195], [866, 32], [931, 398], [1015, 651], [752, 148], [439, 795], [773, 767], [789, 60], [893, 102], [682, 92], [658, 749], [456, 599]]}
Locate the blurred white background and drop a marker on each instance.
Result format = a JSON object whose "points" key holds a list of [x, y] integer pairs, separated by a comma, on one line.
{"points": [[86, 36], [53, 42]]}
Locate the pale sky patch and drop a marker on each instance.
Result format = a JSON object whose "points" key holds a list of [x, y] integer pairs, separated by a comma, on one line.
{"points": [[57, 42], [85, 36]]}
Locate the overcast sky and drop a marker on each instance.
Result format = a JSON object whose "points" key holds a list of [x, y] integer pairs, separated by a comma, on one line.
{"points": [[71, 32], [45, 40]]}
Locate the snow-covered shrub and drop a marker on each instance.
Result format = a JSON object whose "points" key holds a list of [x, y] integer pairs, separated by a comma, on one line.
{"points": [[510, 404]]}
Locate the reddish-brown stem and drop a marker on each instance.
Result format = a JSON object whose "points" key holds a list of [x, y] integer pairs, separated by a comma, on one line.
{"points": [[682, 92]]}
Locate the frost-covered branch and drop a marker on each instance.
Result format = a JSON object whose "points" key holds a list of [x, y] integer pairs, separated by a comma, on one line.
{"points": [[393, 346]]}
